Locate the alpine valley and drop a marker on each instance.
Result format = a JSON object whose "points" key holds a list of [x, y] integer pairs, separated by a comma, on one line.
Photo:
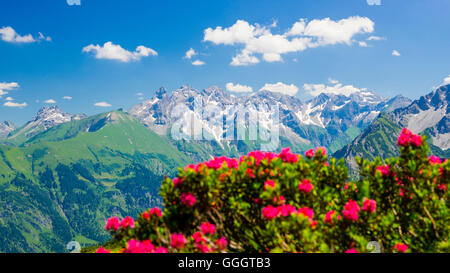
{"points": [[62, 175]]}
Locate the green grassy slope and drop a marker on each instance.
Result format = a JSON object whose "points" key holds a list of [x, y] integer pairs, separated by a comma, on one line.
{"points": [[378, 140], [64, 183]]}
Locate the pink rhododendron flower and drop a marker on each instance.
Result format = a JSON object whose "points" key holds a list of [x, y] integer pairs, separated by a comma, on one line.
{"points": [[135, 246], [329, 217], [156, 211], [269, 212], [178, 240], [309, 153], [279, 200], [218, 163], [127, 222], [408, 138], [221, 243], [351, 210], [146, 215], [286, 210], [384, 170], [208, 228], [416, 140], [352, 250], [102, 250], [259, 156], [305, 186], [435, 160], [306, 212], [442, 187], [250, 173], [203, 248], [113, 223], [177, 181], [188, 199], [401, 247], [369, 205], [269, 183], [322, 150], [160, 249], [198, 237], [287, 156], [404, 138]]}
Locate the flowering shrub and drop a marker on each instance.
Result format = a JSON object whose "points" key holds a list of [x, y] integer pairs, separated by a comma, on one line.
{"points": [[267, 202]]}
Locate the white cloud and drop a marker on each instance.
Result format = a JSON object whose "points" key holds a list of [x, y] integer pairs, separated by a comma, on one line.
{"points": [[50, 101], [111, 51], [198, 62], [102, 104], [45, 38], [9, 99], [333, 81], [259, 40], [74, 2], [375, 38], [8, 34], [67, 98], [238, 88], [446, 80], [140, 94], [396, 53], [7, 86], [280, 87], [362, 44], [190, 53], [335, 88], [374, 2], [15, 104]]}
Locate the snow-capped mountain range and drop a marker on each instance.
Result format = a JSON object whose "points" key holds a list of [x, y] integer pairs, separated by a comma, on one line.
{"points": [[326, 120], [323, 120], [429, 114], [46, 118]]}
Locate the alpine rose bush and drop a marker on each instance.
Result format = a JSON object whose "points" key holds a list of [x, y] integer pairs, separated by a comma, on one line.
{"points": [[267, 202]]}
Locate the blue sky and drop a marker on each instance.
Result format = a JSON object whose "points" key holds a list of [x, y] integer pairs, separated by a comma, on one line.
{"points": [[50, 49]]}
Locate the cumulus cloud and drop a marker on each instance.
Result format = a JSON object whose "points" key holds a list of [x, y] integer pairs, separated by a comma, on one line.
{"points": [[362, 44], [15, 104], [335, 88], [396, 53], [259, 41], [67, 98], [74, 2], [374, 2], [190, 53], [446, 80], [7, 86], [50, 101], [8, 34], [198, 63], [111, 51], [102, 104], [280, 87], [9, 99], [238, 88], [375, 38], [44, 38]]}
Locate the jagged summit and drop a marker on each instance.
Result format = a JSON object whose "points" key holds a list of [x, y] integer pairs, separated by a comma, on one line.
{"points": [[5, 128], [319, 121], [430, 113], [46, 118]]}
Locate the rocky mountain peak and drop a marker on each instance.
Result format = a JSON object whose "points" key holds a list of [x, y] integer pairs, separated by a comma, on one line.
{"points": [[5, 128], [161, 93]]}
